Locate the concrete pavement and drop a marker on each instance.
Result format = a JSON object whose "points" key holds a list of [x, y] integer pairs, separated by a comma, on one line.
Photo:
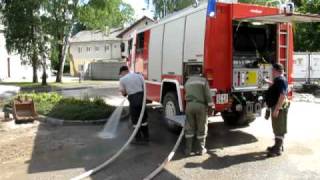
{"points": [[238, 153]]}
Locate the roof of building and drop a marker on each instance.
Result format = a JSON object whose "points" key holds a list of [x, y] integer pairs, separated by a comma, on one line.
{"points": [[96, 35], [133, 25]]}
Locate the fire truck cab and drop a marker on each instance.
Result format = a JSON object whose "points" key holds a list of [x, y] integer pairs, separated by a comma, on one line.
{"points": [[235, 50]]}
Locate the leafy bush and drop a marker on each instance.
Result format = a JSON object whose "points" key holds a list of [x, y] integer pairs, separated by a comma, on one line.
{"points": [[44, 102], [78, 109], [54, 105]]}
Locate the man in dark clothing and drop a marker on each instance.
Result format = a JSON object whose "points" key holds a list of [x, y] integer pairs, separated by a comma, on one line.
{"points": [[132, 85], [276, 99]]}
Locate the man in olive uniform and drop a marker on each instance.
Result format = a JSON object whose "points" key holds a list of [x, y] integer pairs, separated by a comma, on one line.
{"points": [[198, 99], [277, 100]]}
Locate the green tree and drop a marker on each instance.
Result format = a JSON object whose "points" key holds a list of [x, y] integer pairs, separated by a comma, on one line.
{"points": [[307, 35], [259, 2], [31, 24], [165, 7], [60, 17], [66, 17], [24, 32], [100, 14]]}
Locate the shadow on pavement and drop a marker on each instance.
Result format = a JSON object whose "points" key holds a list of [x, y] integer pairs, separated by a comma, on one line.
{"points": [[62, 152], [221, 136], [216, 162]]}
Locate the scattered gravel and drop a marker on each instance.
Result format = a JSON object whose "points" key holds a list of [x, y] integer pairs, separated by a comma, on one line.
{"points": [[301, 97]]}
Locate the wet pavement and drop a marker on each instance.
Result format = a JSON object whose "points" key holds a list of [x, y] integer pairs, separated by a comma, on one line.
{"points": [[8, 91], [41, 151]]}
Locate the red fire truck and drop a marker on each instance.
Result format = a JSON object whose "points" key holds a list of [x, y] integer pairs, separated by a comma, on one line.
{"points": [[235, 50]]}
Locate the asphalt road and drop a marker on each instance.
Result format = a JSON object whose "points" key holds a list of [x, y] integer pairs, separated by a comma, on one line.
{"points": [[41, 151]]}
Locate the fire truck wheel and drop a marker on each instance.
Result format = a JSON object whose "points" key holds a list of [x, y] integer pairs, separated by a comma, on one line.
{"points": [[237, 118], [171, 108]]}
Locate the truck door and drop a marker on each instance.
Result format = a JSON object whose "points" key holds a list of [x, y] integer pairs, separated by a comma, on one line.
{"points": [[141, 53]]}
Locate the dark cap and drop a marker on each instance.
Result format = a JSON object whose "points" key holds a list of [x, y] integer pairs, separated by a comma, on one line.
{"points": [[123, 68], [278, 67]]}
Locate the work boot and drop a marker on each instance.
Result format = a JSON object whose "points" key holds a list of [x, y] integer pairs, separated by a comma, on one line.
{"points": [[276, 149], [202, 152], [145, 133], [271, 147], [188, 146], [137, 139], [201, 146]]}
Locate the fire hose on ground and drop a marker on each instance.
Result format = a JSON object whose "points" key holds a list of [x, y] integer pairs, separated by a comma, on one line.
{"points": [[168, 158], [118, 153]]}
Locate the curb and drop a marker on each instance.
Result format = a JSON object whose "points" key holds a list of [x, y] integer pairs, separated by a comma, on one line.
{"points": [[52, 89], [61, 122]]}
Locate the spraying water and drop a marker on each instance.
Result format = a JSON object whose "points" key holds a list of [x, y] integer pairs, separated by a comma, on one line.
{"points": [[110, 128], [121, 150]]}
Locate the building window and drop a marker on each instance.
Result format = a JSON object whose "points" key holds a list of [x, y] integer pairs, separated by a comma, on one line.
{"points": [[123, 47], [79, 50], [96, 48], [106, 48], [88, 49], [130, 46], [115, 46], [140, 42]]}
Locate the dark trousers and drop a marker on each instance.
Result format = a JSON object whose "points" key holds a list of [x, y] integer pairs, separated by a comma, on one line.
{"points": [[136, 101]]}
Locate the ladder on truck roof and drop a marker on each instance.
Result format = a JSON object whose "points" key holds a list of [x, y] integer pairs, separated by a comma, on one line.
{"points": [[283, 45]]}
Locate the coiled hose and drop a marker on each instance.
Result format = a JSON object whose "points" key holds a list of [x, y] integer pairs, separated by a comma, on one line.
{"points": [[118, 153]]}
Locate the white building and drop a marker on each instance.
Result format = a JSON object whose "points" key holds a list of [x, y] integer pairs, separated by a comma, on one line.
{"points": [[11, 66], [89, 48], [98, 54]]}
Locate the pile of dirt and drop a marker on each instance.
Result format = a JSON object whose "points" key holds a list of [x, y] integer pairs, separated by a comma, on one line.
{"points": [[13, 137]]}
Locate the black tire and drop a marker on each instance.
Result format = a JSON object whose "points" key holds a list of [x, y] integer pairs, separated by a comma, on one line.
{"points": [[171, 108], [237, 118]]}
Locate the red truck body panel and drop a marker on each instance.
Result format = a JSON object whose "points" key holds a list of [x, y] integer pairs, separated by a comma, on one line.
{"points": [[218, 50]]}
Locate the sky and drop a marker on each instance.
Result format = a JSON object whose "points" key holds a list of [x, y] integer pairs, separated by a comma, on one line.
{"points": [[138, 6]]}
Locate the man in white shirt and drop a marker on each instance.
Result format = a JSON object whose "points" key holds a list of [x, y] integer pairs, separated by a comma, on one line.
{"points": [[131, 85]]}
